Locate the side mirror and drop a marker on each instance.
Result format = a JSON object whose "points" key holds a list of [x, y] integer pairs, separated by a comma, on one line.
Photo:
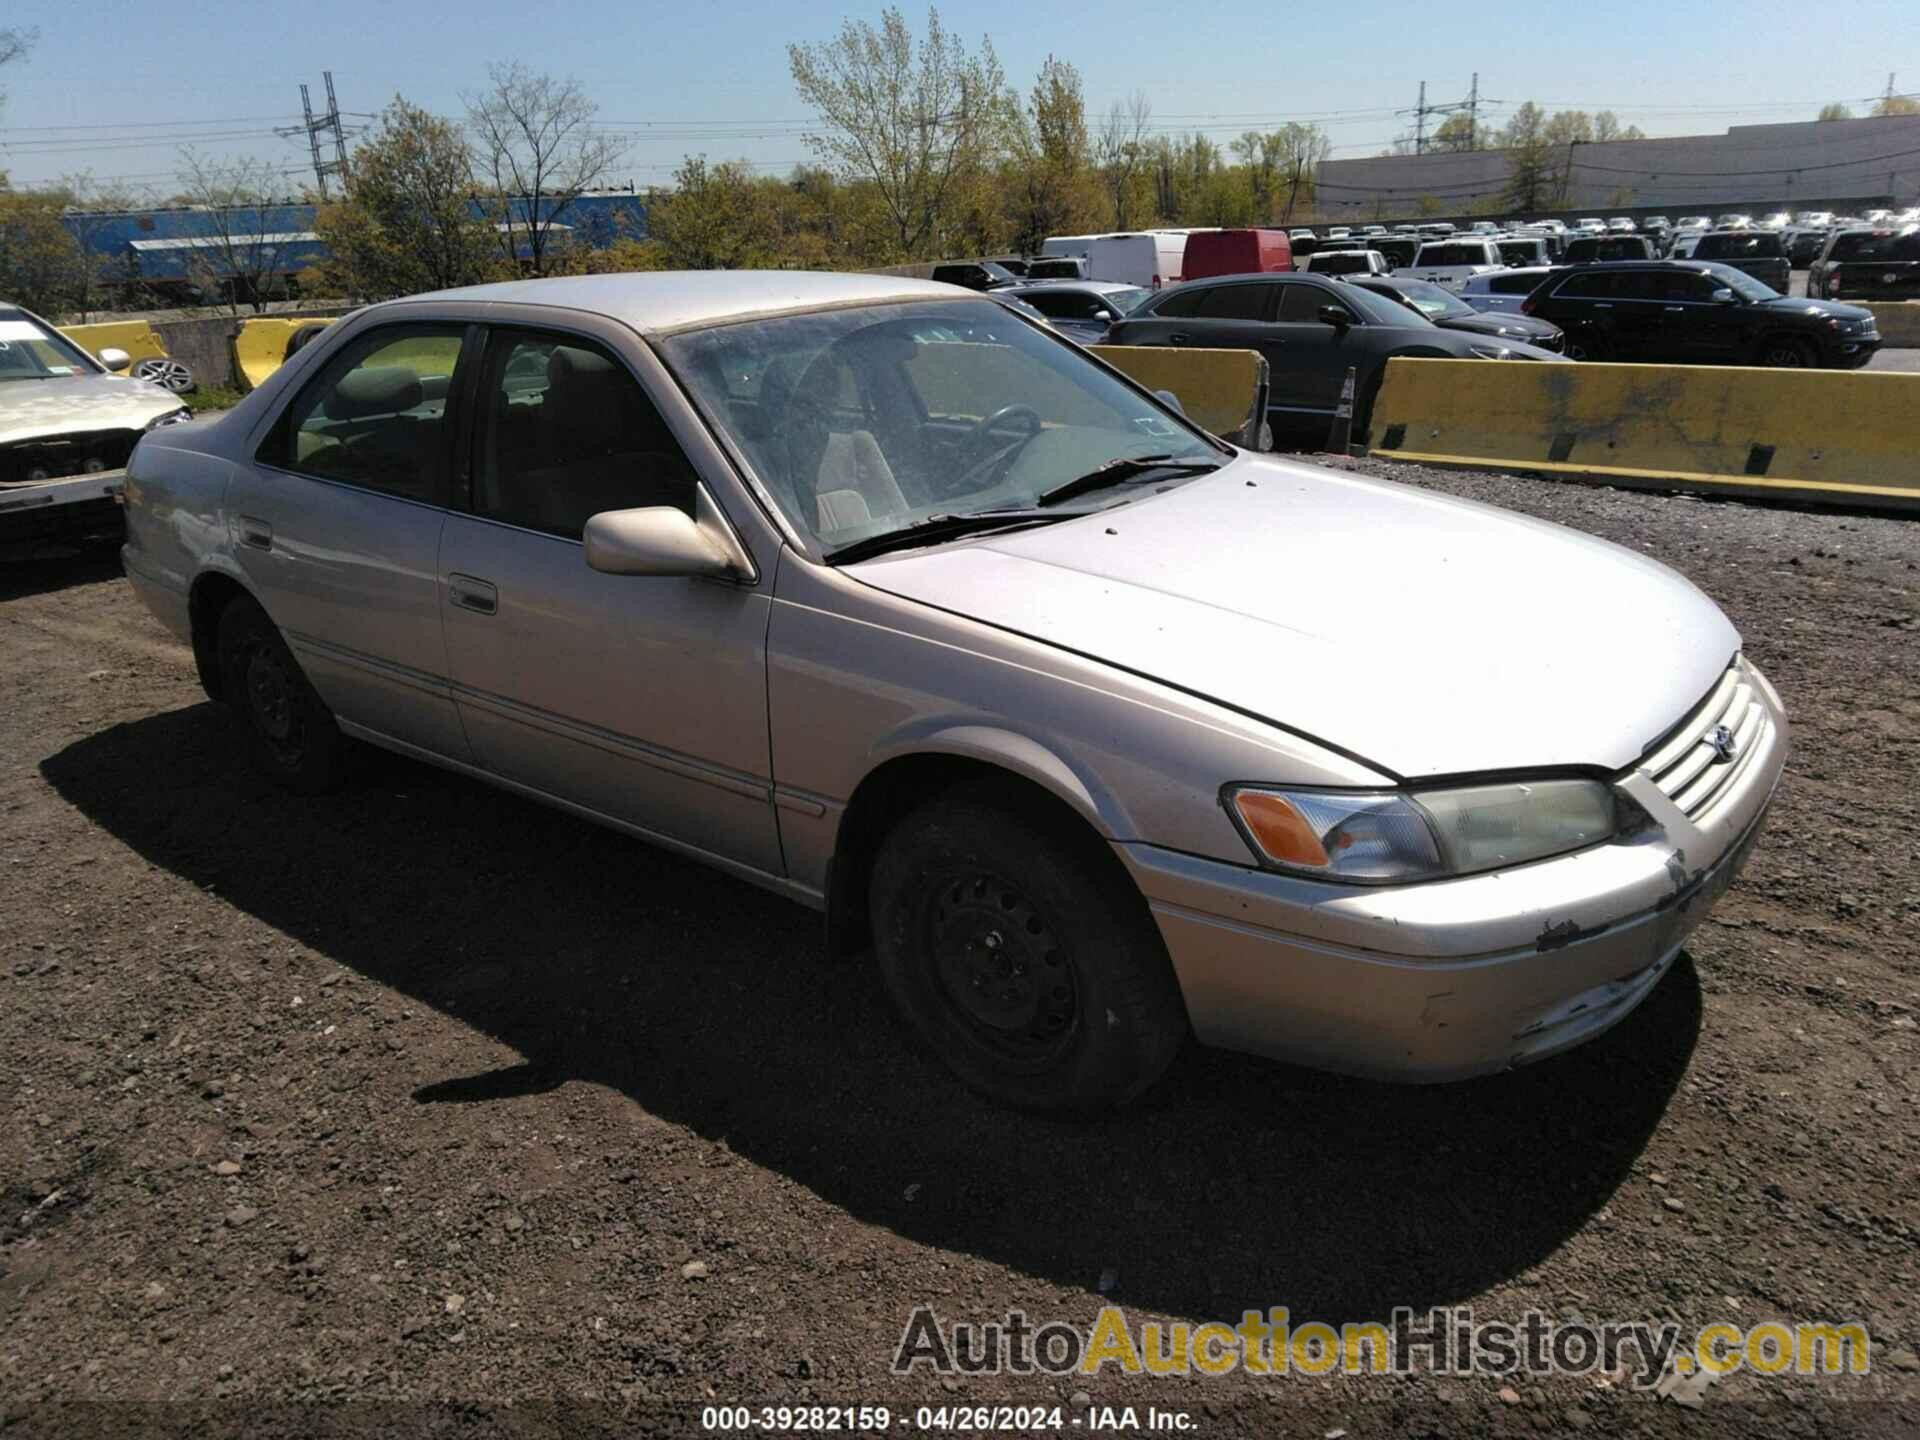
{"points": [[115, 360], [660, 540], [1333, 315], [1722, 297], [1170, 400]]}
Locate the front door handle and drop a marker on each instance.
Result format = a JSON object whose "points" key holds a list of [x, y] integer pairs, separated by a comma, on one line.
{"points": [[1180, 339], [473, 594], [1676, 309], [257, 534]]}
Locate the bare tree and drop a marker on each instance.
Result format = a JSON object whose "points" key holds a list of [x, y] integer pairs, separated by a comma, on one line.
{"points": [[536, 146], [93, 209], [1120, 152], [910, 120], [242, 255]]}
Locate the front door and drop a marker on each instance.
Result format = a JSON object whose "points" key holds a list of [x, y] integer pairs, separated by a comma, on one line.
{"points": [[639, 698], [337, 525]]}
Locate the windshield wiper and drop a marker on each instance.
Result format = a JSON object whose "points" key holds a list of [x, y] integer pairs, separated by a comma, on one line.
{"points": [[936, 528], [1116, 472]]}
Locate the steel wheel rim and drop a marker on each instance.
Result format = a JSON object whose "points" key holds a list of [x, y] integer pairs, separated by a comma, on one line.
{"points": [[1006, 980], [273, 704]]}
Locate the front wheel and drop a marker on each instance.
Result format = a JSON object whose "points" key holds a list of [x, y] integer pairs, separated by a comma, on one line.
{"points": [[1785, 353], [1587, 347], [290, 734], [1022, 956]]}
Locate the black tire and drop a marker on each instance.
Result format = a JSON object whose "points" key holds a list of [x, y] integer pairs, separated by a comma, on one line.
{"points": [[1785, 352], [1587, 347], [291, 737], [1022, 954]]}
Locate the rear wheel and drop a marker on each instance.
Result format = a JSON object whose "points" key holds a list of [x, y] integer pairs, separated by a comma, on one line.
{"points": [[1022, 956], [1784, 352], [1587, 347], [291, 735]]}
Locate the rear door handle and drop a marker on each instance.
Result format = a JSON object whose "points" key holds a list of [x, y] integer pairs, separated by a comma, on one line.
{"points": [[1676, 309], [473, 594], [1180, 339], [257, 534]]}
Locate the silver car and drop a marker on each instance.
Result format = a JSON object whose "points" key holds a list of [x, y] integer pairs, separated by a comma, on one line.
{"points": [[67, 425], [1096, 730]]}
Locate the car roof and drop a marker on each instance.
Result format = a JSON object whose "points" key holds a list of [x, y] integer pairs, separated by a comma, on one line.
{"points": [[660, 301], [1084, 287]]}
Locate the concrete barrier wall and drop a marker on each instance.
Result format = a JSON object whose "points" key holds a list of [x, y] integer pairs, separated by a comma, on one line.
{"points": [[205, 344], [1224, 391], [1836, 436], [1899, 323]]}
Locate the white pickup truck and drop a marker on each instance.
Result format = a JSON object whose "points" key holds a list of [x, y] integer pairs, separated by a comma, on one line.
{"points": [[1452, 262]]}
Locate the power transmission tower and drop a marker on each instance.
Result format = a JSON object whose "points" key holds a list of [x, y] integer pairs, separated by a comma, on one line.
{"points": [[315, 127], [1420, 122], [1470, 107], [1473, 114]]}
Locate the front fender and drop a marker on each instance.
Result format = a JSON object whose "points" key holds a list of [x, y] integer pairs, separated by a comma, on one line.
{"points": [[1024, 755]]}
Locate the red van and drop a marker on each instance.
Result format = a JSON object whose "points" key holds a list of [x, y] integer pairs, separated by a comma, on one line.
{"points": [[1236, 252]]}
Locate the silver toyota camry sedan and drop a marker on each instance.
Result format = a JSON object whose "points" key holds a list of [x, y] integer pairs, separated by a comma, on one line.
{"points": [[1094, 729]]}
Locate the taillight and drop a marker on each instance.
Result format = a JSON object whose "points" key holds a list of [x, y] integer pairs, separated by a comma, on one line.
{"points": [[1156, 282], [1526, 306]]}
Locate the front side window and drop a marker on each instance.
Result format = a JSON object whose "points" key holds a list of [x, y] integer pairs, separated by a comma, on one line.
{"points": [[1236, 302], [376, 416], [868, 420], [565, 433], [1589, 285]]}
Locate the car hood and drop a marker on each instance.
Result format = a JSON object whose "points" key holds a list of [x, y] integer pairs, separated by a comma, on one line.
{"points": [[1831, 308], [1512, 326], [72, 404], [1422, 634]]}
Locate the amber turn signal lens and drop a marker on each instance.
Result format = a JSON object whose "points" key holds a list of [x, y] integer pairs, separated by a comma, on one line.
{"points": [[1279, 829]]}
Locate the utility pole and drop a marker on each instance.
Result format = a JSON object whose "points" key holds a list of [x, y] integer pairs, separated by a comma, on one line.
{"points": [[1293, 188]]}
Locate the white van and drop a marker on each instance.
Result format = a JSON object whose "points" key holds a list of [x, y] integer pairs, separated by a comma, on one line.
{"points": [[1072, 247], [1147, 258]]}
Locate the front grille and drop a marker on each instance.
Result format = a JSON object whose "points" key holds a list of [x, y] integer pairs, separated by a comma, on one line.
{"points": [[54, 456], [1691, 769]]}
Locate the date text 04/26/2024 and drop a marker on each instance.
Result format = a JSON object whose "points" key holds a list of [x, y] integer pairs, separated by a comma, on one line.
{"points": [[966, 1419]]}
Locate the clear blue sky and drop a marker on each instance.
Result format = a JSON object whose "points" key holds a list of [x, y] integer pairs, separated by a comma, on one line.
{"points": [[116, 87]]}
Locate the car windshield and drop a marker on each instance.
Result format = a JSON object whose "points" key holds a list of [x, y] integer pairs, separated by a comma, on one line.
{"points": [[1743, 284], [1741, 245], [864, 421], [30, 351], [1430, 300], [1127, 300]]}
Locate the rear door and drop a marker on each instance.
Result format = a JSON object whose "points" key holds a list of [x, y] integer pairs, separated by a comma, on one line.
{"points": [[337, 526], [638, 698]]}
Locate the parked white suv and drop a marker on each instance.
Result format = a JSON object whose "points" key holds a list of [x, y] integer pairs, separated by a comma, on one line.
{"points": [[1451, 262]]}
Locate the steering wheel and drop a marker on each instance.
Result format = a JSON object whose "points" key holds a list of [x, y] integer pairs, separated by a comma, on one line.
{"points": [[978, 443]]}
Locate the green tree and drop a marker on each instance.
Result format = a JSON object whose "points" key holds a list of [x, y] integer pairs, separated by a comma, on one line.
{"points": [[908, 118], [1049, 163], [406, 221], [1835, 111], [1456, 132], [709, 220], [1120, 153], [1896, 105], [41, 264]]}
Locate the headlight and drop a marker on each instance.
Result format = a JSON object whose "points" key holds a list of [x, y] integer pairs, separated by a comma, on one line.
{"points": [[1491, 352], [1379, 837], [172, 417]]}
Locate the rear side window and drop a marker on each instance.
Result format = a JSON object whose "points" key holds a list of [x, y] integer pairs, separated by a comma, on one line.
{"points": [[1747, 245], [376, 415], [1587, 285], [1875, 245], [1235, 302], [1452, 255], [565, 433], [1512, 284]]}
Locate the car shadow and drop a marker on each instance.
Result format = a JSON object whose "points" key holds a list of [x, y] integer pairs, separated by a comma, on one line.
{"points": [[39, 567], [1234, 1184]]}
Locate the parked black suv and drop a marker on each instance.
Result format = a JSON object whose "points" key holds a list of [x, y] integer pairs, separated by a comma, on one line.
{"points": [[1311, 328], [1758, 253], [1870, 264], [1588, 249], [974, 274], [1688, 312]]}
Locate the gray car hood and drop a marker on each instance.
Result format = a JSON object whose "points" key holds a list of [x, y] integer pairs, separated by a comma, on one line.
{"points": [[71, 404], [1425, 635]]}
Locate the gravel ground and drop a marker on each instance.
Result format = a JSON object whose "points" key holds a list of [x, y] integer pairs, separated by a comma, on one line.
{"points": [[425, 1095]]}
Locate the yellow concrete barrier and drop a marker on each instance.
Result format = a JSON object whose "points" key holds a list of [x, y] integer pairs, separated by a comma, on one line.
{"points": [[1899, 323], [260, 348], [1224, 391], [1833, 436], [136, 337]]}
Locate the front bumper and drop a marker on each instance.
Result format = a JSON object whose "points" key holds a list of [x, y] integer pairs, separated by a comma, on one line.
{"points": [[1459, 977], [68, 503]]}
